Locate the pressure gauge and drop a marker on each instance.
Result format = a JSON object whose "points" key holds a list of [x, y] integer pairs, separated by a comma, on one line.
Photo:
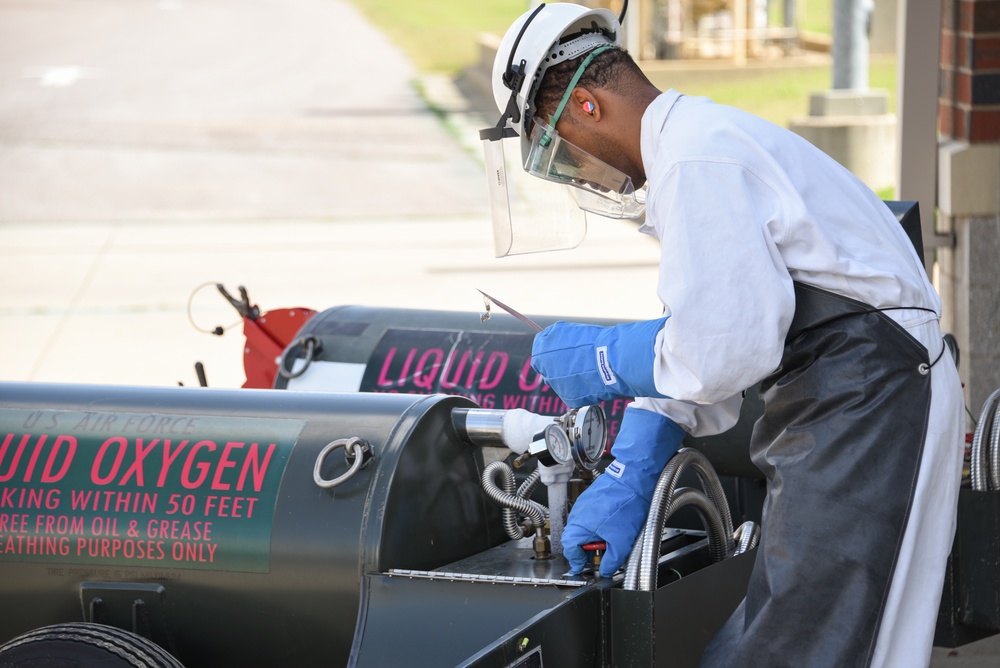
{"points": [[589, 433], [552, 446], [558, 444]]}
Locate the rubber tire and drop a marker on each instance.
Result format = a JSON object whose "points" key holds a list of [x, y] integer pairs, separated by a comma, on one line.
{"points": [[83, 644]]}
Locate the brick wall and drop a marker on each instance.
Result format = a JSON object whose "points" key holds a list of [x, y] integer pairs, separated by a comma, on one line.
{"points": [[969, 188], [969, 102]]}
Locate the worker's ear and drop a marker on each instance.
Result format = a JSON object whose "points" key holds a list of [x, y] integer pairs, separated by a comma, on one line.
{"points": [[585, 104]]}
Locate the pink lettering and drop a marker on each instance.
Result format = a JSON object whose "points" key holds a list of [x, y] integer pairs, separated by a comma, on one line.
{"points": [[499, 358], [140, 454], [383, 381], [224, 463], [404, 374], [427, 368], [34, 457], [17, 456], [47, 473], [95, 474], [525, 373], [476, 361], [168, 459], [449, 366], [203, 467], [259, 467]]}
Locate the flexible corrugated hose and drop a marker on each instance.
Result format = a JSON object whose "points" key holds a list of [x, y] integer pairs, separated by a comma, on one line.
{"points": [[511, 501], [985, 453], [640, 572]]}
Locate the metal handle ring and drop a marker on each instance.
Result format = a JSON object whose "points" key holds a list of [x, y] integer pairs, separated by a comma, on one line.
{"points": [[354, 447], [311, 346]]}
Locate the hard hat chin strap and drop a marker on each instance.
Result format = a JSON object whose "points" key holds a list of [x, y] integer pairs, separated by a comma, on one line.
{"points": [[513, 78], [553, 119]]}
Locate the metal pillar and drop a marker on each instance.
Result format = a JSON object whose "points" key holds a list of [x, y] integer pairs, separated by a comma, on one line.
{"points": [[850, 44], [918, 47]]}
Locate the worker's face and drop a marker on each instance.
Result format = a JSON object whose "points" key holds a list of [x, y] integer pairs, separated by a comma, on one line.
{"points": [[595, 138], [597, 185]]}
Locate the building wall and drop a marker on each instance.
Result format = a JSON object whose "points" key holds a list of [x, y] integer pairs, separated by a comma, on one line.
{"points": [[969, 187]]}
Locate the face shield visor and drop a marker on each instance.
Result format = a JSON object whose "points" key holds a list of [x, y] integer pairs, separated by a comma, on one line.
{"points": [[529, 215], [596, 186], [549, 213], [541, 214]]}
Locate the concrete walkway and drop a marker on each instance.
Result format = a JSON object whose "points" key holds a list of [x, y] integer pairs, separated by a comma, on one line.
{"points": [[149, 147]]}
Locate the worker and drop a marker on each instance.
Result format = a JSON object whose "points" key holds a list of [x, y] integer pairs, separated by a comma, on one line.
{"points": [[778, 267]]}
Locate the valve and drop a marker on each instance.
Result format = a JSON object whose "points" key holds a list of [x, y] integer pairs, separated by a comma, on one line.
{"points": [[597, 550]]}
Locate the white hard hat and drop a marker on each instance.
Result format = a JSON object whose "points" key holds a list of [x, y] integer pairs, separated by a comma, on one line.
{"points": [[537, 40]]}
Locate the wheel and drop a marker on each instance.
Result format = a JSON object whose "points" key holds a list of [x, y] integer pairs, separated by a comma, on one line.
{"points": [[83, 644]]}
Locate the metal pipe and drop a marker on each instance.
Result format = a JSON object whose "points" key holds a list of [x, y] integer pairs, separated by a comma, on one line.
{"points": [[641, 566], [558, 502], [995, 447], [980, 462], [720, 543], [746, 537], [850, 44], [479, 426], [640, 574], [514, 429], [661, 503], [509, 500]]}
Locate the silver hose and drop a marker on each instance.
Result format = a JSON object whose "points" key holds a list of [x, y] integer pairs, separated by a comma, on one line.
{"points": [[512, 504], [720, 543], [631, 582], [995, 447], [746, 537], [640, 570], [980, 462], [529, 484]]}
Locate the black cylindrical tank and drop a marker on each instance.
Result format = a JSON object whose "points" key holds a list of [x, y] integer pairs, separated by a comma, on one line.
{"points": [[193, 514], [392, 350]]}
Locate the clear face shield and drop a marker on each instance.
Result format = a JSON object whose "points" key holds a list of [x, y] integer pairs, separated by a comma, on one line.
{"points": [[529, 215], [549, 213], [597, 187]]}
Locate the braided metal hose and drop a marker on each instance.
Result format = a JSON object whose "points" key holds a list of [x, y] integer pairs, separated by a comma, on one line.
{"points": [[746, 537], [510, 501], [720, 543], [640, 570], [528, 486], [995, 448], [985, 451]]}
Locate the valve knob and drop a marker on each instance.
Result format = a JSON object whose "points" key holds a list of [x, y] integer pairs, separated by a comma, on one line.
{"points": [[597, 550]]}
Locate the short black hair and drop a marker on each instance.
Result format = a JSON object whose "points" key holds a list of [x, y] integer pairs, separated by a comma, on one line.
{"points": [[614, 70]]}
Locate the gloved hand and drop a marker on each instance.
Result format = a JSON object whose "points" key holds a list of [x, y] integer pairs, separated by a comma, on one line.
{"points": [[586, 364], [615, 506]]}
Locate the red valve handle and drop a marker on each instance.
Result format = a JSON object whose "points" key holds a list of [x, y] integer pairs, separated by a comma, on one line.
{"points": [[597, 545]]}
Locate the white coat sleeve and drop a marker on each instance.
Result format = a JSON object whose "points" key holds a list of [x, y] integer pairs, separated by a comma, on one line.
{"points": [[696, 419], [722, 279]]}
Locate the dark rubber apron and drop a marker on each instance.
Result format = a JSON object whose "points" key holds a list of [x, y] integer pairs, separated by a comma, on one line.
{"points": [[840, 443]]}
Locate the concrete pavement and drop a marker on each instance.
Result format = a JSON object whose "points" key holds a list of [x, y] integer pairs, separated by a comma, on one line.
{"points": [[150, 147]]}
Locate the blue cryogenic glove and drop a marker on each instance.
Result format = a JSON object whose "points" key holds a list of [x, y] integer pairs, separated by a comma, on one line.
{"points": [[615, 506], [586, 364]]}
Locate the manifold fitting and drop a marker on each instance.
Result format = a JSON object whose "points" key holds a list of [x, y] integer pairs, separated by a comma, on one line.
{"points": [[514, 503]]}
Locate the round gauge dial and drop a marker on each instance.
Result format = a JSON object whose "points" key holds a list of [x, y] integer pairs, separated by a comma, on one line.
{"points": [[558, 444], [590, 436]]}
